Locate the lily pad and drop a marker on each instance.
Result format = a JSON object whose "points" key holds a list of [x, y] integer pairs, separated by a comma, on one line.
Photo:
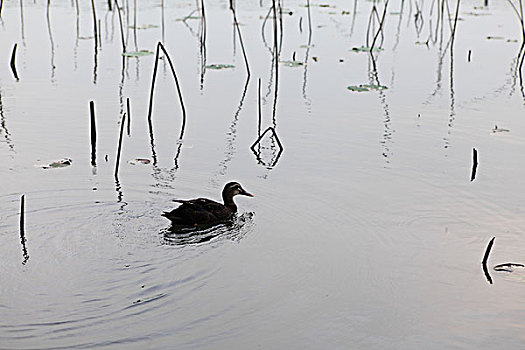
{"points": [[292, 63], [137, 53], [57, 164], [366, 87], [219, 66], [365, 49]]}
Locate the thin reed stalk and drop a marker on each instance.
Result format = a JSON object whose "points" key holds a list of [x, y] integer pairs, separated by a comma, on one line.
{"points": [[380, 30], [93, 130], [485, 260], [23, 240], [236, 24], [128, 109], [13, 62], [121, 26], [150, 108], [117, 164], [95, 22]]}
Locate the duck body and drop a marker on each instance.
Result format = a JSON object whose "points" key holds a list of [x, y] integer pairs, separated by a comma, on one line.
{"points": [[204, 211]]}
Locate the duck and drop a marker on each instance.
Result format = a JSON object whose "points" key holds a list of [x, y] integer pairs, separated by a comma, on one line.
{"points": [[204, 211]]}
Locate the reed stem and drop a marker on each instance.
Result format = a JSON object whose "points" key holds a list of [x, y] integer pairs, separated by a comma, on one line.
{"points": [[93, 130], [13, 60], [117, 164]]}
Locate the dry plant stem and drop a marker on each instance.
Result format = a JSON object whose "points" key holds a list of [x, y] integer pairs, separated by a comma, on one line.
{"points": [[22, 215], [117, 164], [259, 112], [309, 22], [13, 60], [485, 259], [128, 109], [95, 28], [380, 30], [150, 109], [474, 164], [93, 130], [240, 39], [121, 27], [453, 35], [487, 252], [371, 22], [25, 254]]}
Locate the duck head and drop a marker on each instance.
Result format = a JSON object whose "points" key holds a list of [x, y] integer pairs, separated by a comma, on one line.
{"points": [[231, 189]]}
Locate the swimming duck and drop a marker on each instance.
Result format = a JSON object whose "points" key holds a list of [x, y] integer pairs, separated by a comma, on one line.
{"points": [[199, 211]]}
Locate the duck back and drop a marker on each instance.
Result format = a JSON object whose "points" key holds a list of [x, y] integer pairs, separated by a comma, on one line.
{"points": [[199, 211]]}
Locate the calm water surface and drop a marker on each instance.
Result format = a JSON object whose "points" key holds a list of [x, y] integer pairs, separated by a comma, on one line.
{"points": [[365, 232]]}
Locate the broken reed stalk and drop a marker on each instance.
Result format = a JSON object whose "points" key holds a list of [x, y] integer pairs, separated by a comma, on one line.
{"points": [[177, 85], [150, 109], [203, 23], [25, 254], [95, 28], [371, 22], [109, 6], [309, 22], [275, 46], [380, 30], [135, 24], [236, 23], [93, 129], [128, 109], [121, 27], [487, 252], [117, 164], [13, 60], [485, 259], [259, 108], [474, 164], [22, 217]]}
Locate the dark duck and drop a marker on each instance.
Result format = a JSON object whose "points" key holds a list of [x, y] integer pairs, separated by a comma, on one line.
{"points": [[204, 211]]}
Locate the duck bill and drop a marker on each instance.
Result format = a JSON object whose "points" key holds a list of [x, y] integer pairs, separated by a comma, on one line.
{"points": [[247, 194]]}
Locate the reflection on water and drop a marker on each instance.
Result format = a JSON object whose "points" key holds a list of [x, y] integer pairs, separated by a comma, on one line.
{"points": [[235, 230], [345, 250]]}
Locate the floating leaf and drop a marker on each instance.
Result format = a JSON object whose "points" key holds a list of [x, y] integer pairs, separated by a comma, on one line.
{"points": [[57, 164], [139, 161], [495, 37], [137, 53], [365, 49], [366, 87], [497, 129], [292, 63], [508, 267], [219, 66]]}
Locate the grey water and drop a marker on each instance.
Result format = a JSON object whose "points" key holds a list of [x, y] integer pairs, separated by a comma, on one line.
{"points": [[366, 230]]}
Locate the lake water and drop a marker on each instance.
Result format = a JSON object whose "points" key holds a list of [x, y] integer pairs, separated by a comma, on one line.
{"points": [[365, 232]]}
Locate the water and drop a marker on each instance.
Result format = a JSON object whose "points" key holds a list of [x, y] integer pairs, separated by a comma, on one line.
{"points": [[365, 231]]}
